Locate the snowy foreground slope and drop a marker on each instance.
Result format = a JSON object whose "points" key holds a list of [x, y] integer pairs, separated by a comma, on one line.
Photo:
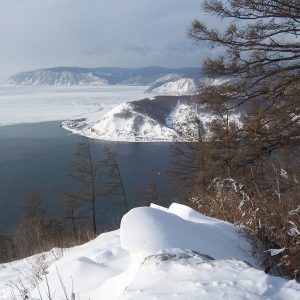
{"points": [[158, 253]]}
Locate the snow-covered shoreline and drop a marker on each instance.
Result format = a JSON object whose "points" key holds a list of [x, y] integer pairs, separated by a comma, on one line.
{"points": [[167, 253]]}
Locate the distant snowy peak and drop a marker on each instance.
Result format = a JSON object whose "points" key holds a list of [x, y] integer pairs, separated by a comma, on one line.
{"points": [[182, 86], [48, 77]]}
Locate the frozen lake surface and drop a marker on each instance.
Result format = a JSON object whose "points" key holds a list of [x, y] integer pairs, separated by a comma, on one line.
{"points": [[34, 104]]}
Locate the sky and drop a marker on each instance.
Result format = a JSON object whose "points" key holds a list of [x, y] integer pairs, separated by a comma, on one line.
{"points": [[97, 33]]}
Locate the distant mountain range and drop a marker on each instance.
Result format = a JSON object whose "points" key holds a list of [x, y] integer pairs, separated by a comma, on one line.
{"points": [[68, 76]]}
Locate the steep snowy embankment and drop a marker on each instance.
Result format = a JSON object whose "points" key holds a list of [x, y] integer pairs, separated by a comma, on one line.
{"points": [[158, 253]]}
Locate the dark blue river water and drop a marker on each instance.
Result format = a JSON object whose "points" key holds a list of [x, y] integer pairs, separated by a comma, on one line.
{"points": [[39, 156]]}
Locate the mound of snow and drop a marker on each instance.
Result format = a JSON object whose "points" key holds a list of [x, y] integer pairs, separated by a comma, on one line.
{"points": [[158, 253], [158, 230], [183, 86]]}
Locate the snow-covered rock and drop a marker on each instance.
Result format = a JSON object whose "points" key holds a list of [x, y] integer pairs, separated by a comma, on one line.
{"points": [[189, 276], [158, 253]]}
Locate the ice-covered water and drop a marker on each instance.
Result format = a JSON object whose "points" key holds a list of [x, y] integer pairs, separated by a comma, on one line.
{"points": [[33, 104]]}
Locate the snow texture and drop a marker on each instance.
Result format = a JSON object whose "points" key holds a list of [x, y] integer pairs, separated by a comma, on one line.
{"points": [[158, 253]]}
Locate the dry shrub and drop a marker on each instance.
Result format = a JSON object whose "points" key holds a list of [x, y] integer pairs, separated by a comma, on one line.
{"points": [[270, 224]]}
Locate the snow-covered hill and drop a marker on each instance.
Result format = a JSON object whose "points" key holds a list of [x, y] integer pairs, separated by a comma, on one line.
{"points": [[182, 86], [47, 77], [162, 119], [158, 253]]}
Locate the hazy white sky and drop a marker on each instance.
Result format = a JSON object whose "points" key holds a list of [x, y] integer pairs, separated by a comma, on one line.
{"points": [[95, 33]]}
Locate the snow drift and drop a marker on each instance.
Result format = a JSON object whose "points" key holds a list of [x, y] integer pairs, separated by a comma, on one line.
{"points": [[158, 253]]}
